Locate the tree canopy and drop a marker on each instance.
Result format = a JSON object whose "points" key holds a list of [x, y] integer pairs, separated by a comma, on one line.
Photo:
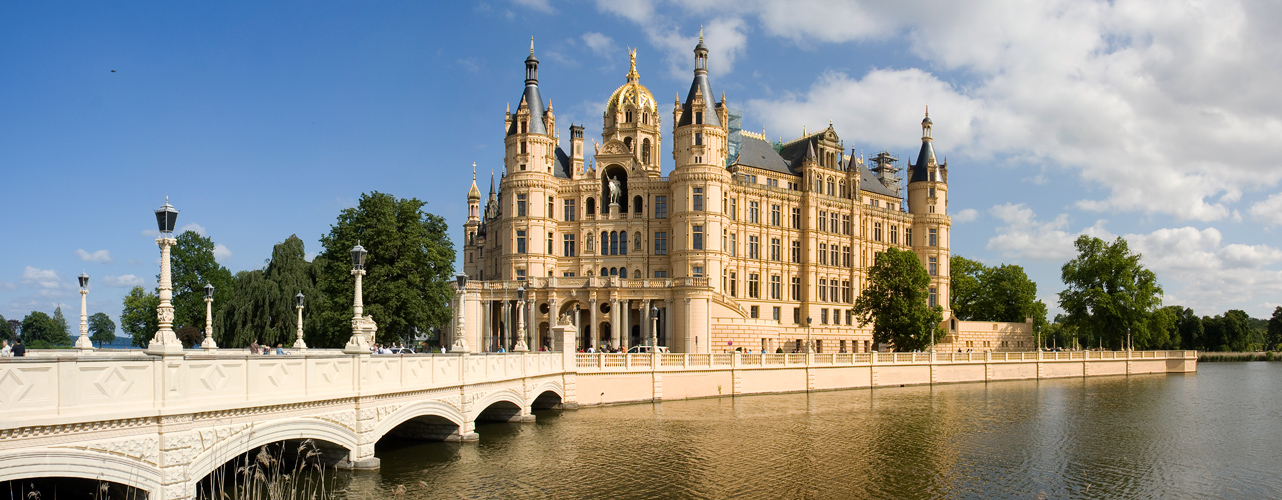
{"points": [[1109, 291], [997, 293], [409, 266], [138, 318], [40, 331], [1274, 338], [262, 302], [102, 329], [6, 329], [193, 266], [895, 301]]}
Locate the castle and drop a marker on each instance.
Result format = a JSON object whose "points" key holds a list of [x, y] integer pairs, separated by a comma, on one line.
{"points": [[745, 244]]}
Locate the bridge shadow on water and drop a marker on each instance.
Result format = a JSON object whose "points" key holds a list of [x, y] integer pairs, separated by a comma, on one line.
{"points": [[67, 487]]}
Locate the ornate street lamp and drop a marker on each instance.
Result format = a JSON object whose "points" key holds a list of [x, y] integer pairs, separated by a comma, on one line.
{"points": [[165, 343], [654, 329], [460, 342], [521, 345], [209, 343], [298, 303], [358, 344], [83, 343]]}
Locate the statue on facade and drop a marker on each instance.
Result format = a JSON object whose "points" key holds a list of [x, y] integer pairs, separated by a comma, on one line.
{"points": [[616, 189]]}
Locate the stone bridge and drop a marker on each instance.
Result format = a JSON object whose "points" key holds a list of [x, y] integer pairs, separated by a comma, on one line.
{"points": [[164, 423]]}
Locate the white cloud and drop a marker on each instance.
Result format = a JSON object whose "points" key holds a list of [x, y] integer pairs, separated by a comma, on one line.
{"points": [[539, 5], [46, 279], [150, 233], [102, 256], [221, 252], [600, 44], [5, 285], [1198, 270], [123, 281], [725, 37], [1268, 211], [965, 215], [193, 227], [1024, 237]]}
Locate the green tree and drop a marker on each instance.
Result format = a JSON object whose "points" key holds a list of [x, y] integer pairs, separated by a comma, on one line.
{"points": [[194, 266], [1275, 329], [1192, 334], [61, 320], [138, 318], [6, 330], [1161, 332], [1237, 330], [263, 303], [409, 267], [1108, 292], [896, 302], [39, 331], [967, 294], [102, 329]]}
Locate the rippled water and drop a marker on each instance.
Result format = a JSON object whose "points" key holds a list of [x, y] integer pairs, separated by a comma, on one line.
{"points": [[1217, 433]]}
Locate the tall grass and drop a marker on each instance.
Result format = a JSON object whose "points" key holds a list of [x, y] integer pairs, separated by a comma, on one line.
{"points": [[1240, 356], [268, 474]]}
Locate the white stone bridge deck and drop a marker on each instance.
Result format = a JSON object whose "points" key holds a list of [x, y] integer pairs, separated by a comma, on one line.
{"points": [[163, 423]]}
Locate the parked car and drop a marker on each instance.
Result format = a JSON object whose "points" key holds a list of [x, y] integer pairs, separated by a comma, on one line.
{"points": [[644, 349]]}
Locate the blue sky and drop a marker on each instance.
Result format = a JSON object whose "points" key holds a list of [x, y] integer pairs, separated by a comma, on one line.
{"points": [[259, 120]]}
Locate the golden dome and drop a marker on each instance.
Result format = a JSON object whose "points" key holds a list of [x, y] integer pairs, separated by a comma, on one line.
{"points": [[632, 92]]}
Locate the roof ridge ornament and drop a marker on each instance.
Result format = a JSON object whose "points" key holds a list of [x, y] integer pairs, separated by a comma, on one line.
{"points": [[632, 71]]}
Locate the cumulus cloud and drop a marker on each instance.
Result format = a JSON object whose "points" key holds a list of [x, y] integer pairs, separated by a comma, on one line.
{"points": [[101, 256], [726, 37], [539, 5], [122, 281], [965, 215], [193, 227], [5, 285], [600, 44], [221, 252], [1268, 211], [1023, 237], [46, 279]]}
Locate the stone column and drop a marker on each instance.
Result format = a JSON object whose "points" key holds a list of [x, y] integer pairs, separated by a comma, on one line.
{"points": [[648, 326], [165, 342], [554, 319], [505, 332], [625, 313], [667, 321], [83, 344], [592, 325], [487, 327]]}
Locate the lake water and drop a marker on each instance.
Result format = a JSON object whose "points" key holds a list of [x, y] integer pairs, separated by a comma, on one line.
{"points": [[1216, 433]]}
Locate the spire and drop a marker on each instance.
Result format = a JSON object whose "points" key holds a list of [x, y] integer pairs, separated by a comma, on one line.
{"points": [[474, 193], [491, 184], [810, 151], [632, 72], [700, 85], [531, 98]]}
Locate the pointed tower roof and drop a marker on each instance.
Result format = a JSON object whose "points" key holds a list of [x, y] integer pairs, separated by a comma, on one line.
{"points": [[473, 194], [926, 156], [492, 185], [531, 96], [700, 85]]}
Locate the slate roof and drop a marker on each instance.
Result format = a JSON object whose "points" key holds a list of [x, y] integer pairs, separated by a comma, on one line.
{"points": [[756, 153], [709, 112]]}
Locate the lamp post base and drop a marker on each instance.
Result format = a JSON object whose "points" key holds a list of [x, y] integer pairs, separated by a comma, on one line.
{"points": [[159, 349], [83, 344], [209, 343]]}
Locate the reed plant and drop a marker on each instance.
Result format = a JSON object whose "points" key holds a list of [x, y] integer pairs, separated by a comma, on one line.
{"points": [[273, 475], [1239, 356]]}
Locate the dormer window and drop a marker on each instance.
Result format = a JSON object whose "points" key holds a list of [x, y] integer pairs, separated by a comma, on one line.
{"points": [[698, 117], [525, 127]]}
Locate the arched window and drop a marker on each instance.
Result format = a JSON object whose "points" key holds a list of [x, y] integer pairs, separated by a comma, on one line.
{"points": [[627, 141], [636, 205], [627, 116], [614, 243], [623, 272], [590, 206], [645, 151], [623, 243], [636, 274], [605, 272]]}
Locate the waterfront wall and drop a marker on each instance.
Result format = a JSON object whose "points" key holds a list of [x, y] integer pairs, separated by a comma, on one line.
{"points": [[624, 378]]}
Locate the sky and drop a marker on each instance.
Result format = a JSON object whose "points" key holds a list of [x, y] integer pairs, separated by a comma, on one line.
{"points": [[1154, 121]]}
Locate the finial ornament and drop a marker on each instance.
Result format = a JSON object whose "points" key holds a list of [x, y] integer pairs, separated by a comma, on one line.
{"points": [[632, 70], [927, 111], [700, 32], [531, 44]]}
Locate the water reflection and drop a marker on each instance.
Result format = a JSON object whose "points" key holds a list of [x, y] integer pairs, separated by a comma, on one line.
{"points": [[1153, 436]]}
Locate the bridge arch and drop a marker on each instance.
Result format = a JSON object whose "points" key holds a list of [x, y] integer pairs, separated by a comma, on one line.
{"points": [[257, 435], [498, 397], [419, 409], [84, 464]]}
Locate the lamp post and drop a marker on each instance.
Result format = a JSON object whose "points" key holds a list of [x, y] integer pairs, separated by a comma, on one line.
{"points": [[460, 342], [83, 343], [1129, 346], [521, 345], [358, 344], [209, 343], [654, 329], [165, 343], [809, 347], [1039, 337], [298, 303]]}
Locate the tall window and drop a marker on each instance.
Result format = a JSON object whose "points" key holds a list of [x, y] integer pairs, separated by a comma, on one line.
{"points": [[823, 254], [569, 210], [908, 236], [832, 253], [774, 249], [832, 219], [568, 242], [645, 151], [733, 245], [661, 243], [614, 243], [733, 288], [660, 207], [933, 238], [520, 241], [845, 224], [823, 289], [623, 243], [845, 256], [795, 288], [934, 296], [823, 221], [796, 218], [934, 266], [696, 239], [754, 209], [774, 215], [520, 205], [775, 286], [894, 234], [845, 292], [549, 252], [698, 139], [754, 286], [876, 231], [696, 202], [832, 289], [796, 251], [754, 244]]}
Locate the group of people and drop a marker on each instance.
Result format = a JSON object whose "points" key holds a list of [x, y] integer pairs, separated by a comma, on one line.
{"points": [[395, 348], [16, 350], [254, 348]]}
